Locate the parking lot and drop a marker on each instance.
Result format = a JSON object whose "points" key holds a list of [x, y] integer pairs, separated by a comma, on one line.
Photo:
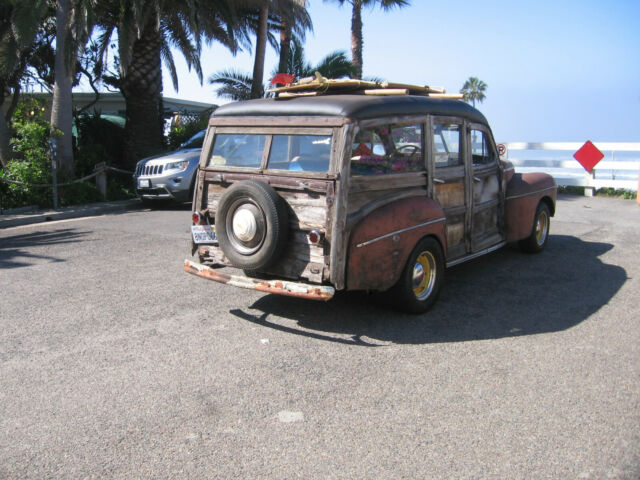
{"points": [[114, 363]]}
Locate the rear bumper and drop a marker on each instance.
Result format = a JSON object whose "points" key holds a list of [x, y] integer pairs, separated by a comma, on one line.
{"points": [[279, 287]]}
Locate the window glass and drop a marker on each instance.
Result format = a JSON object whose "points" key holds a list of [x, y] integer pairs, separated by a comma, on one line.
{"points": [[384, 149], [480, 149], [446, 145], [237, 150], [306, 153]]}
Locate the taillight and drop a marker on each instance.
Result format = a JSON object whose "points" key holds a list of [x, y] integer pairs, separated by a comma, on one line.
{"points": [[314, 237], [195, 218]]}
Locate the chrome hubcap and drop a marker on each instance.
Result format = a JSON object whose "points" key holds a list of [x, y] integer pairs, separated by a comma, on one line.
{"points": [[424, 275], [244, 225], [542, 227]]}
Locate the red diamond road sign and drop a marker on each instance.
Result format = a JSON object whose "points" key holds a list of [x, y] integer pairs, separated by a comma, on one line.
{"points": [[588, 155]]}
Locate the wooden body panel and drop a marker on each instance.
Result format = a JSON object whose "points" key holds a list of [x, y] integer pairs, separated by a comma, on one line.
{"points": [[309, 209]]}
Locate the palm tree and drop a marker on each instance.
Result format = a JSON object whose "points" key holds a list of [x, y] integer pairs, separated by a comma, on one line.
{"points": [[20, 23], [264, 15], [356, 25], [334, 65], [146, 32], [236, 85], [473, 89], [291, 28], [73, 29]]}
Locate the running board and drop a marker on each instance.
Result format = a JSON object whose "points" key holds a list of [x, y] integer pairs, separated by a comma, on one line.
{"points": [[279, 287], [475, 255]]}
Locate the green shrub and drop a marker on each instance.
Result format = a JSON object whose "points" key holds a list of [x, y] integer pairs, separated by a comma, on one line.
{"points": [[31, 165]]}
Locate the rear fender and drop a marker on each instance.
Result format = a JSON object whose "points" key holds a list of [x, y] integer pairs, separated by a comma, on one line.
{"points": [[380, 244]]}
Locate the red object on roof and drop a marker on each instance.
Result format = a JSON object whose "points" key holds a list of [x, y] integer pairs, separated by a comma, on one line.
{"points": [[282, 79], [588, 155]]}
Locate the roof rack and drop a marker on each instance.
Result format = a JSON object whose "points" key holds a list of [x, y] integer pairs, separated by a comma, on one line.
{"points": [[319, 85]]}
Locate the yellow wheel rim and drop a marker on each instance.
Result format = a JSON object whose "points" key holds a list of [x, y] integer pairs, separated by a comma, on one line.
{"points": [[424, 275], [542, 227]]}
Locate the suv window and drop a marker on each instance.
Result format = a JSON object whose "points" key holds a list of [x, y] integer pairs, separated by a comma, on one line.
{"points": [[446, 145], [308, 153], [392, 148]]}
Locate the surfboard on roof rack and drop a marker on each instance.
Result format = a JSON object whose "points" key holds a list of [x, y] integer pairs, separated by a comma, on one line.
{"points": [[319, 85]]}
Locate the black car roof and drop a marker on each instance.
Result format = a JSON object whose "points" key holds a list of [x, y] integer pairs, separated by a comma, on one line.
{"points": [[351, 106]]}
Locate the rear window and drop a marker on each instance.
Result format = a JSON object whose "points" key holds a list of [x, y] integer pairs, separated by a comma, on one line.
{"points": [[291, 152], [306, 153], [237, 150]]}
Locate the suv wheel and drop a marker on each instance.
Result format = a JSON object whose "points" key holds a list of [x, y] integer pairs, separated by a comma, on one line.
{"points": [[252, 224]]}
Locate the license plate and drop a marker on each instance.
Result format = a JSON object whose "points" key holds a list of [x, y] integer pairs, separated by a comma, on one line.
{"points": [[204, 234], [144, 183]]}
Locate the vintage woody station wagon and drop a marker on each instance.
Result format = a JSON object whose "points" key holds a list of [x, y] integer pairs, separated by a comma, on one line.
{"points": [[354, 185]]}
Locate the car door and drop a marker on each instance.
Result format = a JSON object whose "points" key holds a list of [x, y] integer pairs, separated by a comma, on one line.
{"points": [[449, 172], [486, 191]]}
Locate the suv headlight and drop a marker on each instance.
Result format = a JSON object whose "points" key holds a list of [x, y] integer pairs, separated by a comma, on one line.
{"points": [[181, 165]]}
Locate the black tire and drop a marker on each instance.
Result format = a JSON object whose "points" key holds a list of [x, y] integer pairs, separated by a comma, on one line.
{"points": [[537, 239], [419, 284], [261, 224]]}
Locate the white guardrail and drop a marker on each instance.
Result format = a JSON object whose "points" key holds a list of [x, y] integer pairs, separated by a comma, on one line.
{"points": [[618, 169]]}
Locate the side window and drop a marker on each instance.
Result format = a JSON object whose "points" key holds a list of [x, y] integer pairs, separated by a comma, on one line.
{"points": [[480, 151], [393, 148], [446, 145]]}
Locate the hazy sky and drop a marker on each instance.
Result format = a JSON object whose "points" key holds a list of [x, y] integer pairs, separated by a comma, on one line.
{"points": [[558, 70]]}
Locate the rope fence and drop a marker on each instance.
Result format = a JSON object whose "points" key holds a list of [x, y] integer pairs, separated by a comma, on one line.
{"points": [[100, 170]]}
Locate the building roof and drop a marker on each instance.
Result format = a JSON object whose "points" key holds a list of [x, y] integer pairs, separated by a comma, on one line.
{"points": [[351, 106], [114, 103]]}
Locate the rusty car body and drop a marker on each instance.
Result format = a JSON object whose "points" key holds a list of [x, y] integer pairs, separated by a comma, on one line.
{"points": [[310, 194]]}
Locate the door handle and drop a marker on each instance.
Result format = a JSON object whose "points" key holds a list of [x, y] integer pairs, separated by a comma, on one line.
{"points": [[476, 179], [437, 180]]}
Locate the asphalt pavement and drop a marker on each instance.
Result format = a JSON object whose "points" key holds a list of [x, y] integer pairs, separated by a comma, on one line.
{"points": [[116, 364]]}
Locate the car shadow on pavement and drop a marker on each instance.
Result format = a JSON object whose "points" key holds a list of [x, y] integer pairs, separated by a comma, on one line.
{"points": [[14, 255], [504, 294]]}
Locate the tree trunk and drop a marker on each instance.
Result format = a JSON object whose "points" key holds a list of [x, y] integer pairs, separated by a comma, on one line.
{"points": [[61, 104], [5, 151], [285, 47], [356, 38], [142, 90], [261, 48]]}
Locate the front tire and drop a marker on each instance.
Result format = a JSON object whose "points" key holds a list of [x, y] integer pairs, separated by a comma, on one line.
{"points": [[419, 284], [537, 239]]}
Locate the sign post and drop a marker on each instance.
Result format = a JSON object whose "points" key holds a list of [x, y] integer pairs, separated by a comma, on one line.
{"points": [[588, 156]]}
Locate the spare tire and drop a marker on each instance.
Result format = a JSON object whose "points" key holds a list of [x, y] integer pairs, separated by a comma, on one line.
{"points": [[252, 224]]}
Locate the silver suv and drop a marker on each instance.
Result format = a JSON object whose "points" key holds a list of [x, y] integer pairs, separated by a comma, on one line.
{"points": [[169, 176]]}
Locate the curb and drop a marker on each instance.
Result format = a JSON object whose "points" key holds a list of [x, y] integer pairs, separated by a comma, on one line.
{"points": [[91, 210]]}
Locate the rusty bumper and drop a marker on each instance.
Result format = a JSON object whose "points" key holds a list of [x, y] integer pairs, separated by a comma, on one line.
{"points": [[280, 287]]}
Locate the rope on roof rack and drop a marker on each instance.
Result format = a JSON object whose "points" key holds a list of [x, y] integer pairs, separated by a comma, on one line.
{"points": [[319, 85]]}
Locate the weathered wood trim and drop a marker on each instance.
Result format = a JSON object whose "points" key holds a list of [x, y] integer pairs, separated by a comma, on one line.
{"points": [[270, 130], [404, 119], [278, 121], [370, 183], [339, 237]]}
